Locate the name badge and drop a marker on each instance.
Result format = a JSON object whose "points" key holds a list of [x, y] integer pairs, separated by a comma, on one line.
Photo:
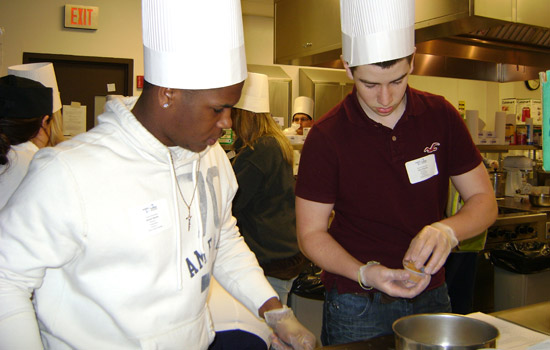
{"points": [[151, 218], [421, 169]]}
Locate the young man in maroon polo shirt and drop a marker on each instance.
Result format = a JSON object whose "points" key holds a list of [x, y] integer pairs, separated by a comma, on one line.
{"points": [[382, 160]]}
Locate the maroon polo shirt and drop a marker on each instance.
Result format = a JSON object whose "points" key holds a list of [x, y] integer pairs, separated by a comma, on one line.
{"points": [[359, 165]]}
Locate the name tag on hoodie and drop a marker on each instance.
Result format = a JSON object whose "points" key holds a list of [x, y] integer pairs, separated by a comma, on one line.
{"points": [[421, 169], [150, 218]]}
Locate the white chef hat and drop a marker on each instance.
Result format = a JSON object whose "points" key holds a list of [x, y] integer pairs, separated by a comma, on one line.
{"points": [[43, 73], [376, 30], [303, 104], [193, 44], [255, 94]]}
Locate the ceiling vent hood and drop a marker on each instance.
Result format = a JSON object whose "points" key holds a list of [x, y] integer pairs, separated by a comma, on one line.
{"points": [[490, 40]]}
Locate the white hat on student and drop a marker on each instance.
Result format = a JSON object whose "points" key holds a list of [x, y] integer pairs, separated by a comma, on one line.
{"points": [[255, 94], [43, 73], [303, 104], [376, 30], [193, 44]]}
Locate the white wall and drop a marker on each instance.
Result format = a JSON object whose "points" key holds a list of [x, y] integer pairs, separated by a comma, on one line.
{"points": [[37, 26]]}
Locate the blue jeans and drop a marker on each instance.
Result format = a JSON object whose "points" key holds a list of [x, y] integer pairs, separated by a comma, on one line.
{"points": [[353, 317]]}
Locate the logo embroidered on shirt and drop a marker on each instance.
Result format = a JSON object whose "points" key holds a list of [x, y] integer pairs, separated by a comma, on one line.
{"points": [[432, 148]]}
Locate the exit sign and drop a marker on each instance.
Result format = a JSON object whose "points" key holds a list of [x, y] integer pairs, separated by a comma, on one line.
{"points": [[84, 17]]}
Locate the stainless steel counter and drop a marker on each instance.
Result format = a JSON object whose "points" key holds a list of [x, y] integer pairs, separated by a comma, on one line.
{"points": [[535, 317], [523, 205]]}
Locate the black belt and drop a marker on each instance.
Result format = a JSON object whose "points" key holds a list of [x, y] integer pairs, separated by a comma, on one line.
{"points": [[388, 299]]}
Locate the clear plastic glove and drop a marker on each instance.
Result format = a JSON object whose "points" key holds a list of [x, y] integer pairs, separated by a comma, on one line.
{"points": [[293, 334], [393, 282], [434, 241]]}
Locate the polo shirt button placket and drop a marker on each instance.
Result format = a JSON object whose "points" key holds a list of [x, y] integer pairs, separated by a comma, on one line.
{"points": [[394, 138]]}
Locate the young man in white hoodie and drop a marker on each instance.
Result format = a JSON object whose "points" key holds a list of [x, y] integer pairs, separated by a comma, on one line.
{"points": [[118, 231]]}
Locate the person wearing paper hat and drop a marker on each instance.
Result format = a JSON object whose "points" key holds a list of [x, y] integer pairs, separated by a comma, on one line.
{"points": [[264, 203], [117, 232], [382, 159], [25, 125], [43, 72], [302, 113]]}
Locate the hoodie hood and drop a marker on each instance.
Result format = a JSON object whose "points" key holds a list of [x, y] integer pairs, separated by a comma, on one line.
{"points": [[118, 114]]}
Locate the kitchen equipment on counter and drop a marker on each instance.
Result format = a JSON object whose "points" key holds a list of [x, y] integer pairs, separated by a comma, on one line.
{"points": [[443, 331], [513, 182], [539, 200], [498, 180], [543, 177], [517, 169]]}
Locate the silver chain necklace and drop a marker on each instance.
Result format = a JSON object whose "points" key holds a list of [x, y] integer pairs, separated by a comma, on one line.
{"points": [[189, 216]]}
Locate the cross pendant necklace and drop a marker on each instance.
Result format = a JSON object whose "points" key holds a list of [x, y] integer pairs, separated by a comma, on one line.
{"points": [[189, 216]]}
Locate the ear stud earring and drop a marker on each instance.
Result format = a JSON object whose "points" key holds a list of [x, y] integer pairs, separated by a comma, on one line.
{"points": [[165, 105]]}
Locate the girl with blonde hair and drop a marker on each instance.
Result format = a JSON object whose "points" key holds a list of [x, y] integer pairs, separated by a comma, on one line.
{"points": [[264, 203]]}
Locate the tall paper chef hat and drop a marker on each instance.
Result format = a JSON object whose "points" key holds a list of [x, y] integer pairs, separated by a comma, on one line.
{"points": [[193, 44], [255, 94], [303, 104], [376, 30], [42, 72]]}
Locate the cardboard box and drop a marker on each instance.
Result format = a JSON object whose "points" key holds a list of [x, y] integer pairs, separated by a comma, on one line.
{"points": [[516, 106], [509, 105], [533, 105]]}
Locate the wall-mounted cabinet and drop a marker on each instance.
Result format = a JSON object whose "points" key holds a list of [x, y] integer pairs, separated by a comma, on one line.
{"points": [[306, 28], [325, 87], [529, 12], [280, 90]]}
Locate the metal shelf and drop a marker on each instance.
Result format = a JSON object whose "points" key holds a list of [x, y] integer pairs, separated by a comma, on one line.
{"points": [[506, 148]]}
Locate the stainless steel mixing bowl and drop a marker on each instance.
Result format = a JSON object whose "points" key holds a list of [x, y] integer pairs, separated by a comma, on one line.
{"points": [[443, 332], [540, 200]]}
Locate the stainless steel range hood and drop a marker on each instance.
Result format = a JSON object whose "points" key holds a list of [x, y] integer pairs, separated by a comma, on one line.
{"points": [[491, 40]]}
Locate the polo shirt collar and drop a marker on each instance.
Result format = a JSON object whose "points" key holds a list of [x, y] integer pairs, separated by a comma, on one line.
{"points": [[357, 115]]}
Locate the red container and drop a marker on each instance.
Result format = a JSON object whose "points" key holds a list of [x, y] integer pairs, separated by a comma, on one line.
{"points": [[521, 134], [525, 113]]}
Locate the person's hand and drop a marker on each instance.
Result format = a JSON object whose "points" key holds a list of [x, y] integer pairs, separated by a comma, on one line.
{"points": [[290, 333], [435, 240], [394, 282]]}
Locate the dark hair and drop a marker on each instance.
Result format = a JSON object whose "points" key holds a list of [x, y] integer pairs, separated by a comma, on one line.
{"points": [[387, 64], [16, 131]]}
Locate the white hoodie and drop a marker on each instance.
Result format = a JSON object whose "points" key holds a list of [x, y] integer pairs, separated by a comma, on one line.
{"points": [[98, 230], [11, 175]]}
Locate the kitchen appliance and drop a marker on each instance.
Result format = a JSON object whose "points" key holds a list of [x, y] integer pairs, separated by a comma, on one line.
{"points": [[498, 181], [517, 168], [513, 224], [443, 331], [522, 274], [513, 181], [539, 200]]}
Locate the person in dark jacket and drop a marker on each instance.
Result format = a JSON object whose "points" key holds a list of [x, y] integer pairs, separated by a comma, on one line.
{"points": [[264, 203]]}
